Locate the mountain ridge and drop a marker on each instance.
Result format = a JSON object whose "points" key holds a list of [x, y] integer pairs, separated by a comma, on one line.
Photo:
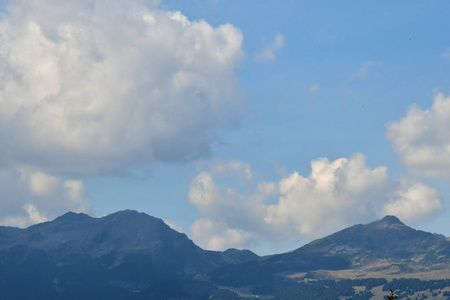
{"points": [[123, 232], [137, 256], [376, 245]]}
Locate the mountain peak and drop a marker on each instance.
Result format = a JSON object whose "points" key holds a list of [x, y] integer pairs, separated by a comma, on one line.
{"points": [[127, 213], [73, 217], [390, 220], [134, 217]]}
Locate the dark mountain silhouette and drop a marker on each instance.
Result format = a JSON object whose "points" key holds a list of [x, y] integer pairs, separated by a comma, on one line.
{"points": [[130, 255], [123, 234], [123, 255], [387, 240]]}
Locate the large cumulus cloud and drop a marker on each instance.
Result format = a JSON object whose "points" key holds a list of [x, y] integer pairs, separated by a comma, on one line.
{"points": [[422, 138], [89, 87], [334, 195]]}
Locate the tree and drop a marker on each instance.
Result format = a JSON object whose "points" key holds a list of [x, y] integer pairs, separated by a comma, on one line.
{"points": [[392, 296]]}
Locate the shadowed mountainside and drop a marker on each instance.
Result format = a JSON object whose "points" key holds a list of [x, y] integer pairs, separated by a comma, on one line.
{"points": [[387, 240], [123, 233], [131, 255], [126, 253]]}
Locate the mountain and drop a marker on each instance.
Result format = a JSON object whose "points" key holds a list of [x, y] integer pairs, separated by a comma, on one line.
{"points": [[131, 256], [124, 233], [376, 246], [127, 253], [387, 238]]}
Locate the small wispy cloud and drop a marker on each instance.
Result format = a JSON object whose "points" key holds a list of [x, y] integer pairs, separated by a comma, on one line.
{"points": [[446, 54], [268, 53], [365, 68], [314, 88]]}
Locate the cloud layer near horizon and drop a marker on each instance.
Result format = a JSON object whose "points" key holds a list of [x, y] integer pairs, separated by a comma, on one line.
{"points": [[334, 195]]}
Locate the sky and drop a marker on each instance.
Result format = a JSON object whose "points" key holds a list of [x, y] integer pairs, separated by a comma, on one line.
{"points": [[247, 124]]}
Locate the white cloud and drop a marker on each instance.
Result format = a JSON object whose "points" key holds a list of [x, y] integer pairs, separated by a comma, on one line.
{"points": [[173, 226], [268, 53], [337, 193], [314, 88], [89, 87], [365, 68], [413, 202], [43, 185], [217, 236], [92, 87], [422, 139], [30, 197], [334, 195], [446, 54], [33, 214], [228, 218], [232, 168]]}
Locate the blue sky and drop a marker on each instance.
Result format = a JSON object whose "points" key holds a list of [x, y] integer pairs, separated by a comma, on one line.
{"points": [[248, 124]]}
